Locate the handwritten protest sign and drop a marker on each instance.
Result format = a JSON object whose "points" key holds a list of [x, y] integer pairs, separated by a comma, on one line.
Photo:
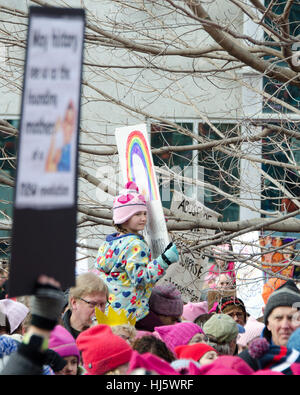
{"points": [[44, 225], [187, 274], [50, 113], [137, 165], [249, 279]]}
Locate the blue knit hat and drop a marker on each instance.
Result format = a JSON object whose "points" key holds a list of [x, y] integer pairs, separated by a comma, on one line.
{"points": [[294, 340]]}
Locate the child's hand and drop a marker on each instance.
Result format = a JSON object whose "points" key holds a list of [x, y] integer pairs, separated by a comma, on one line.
{"points": [[170, 255]]}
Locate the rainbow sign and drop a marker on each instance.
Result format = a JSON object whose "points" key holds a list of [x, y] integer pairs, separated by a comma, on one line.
{"points": [[137, 146], [136, 164]]}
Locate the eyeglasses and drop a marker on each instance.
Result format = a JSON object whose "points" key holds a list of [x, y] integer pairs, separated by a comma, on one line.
{"points": [[237, 314], [92, 304]]}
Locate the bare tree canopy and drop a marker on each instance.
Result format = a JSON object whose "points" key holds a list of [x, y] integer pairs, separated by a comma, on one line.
{"points": [[219, 88]]}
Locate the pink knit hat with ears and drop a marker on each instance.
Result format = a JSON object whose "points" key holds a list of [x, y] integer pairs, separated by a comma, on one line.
{"points": [[253, 329], [193, 310], [150, 362], [128, 203], [177, 334]]}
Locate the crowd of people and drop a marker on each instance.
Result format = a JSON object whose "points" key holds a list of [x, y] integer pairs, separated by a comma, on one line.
{"points": [[116, 319]]}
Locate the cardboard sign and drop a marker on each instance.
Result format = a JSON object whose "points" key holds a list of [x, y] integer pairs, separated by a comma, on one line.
{"points": [[137, 165], [45, 201], [249, 280], [187, 274], [214, 296]]}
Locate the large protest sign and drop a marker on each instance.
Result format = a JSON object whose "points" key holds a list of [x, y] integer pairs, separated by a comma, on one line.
{"points": [[44, 222], [137, 165], [249, 279], [187, 274]]}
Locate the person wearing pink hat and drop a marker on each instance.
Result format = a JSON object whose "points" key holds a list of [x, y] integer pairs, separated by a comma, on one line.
{"points": [[178, 334], [193, 310], [62, 342], [253, 330], [124, 260], [224, 365], [151, 364]]}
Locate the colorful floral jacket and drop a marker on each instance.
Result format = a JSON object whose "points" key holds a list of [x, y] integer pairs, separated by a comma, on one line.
{"points": [[125, 265]]}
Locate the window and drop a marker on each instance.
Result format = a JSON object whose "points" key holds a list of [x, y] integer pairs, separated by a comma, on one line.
{"points": [[282, 150], [285, 92], [216, 169], [220, 171], [178, 162]]}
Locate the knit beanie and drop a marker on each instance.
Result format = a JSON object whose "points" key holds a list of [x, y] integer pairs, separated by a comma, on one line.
{"points": [[14, 311], [286, 295], [224, 365], [193, 351], [128, 203], [63, 343], [253, 329], [150, 362], [229, 302], [101, 350], [294, 340], [177, 334], [166, 300], [193, 310]]}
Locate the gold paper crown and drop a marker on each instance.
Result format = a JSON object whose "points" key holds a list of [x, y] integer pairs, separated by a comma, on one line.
{"points": [[114, 318]]}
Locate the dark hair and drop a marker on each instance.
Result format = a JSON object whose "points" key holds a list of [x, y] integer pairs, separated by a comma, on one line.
{"points": [[153, 345], [202, 318], [6, 328]]}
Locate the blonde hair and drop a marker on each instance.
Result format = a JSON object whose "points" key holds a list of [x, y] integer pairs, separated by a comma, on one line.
{"points": [[119, 229], [88, 283], [128, 329]]}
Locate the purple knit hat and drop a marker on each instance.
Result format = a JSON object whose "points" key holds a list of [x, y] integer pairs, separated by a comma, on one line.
{"points": [[177, 334], [166, 300], [128, 203], [63, 343]]}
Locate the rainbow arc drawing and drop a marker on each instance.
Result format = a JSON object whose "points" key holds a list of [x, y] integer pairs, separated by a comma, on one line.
{"points": [[136, 164], [137, 146]]}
